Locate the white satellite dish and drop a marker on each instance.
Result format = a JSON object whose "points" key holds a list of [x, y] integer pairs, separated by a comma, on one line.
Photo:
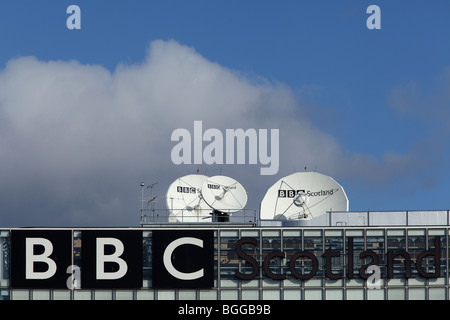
{"points": [[224, 195], [303, 196], [185, 202]]}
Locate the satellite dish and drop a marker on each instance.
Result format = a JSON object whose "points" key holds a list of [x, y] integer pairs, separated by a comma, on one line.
{"points": [[185, 202], [303, 196], [224, 195]]}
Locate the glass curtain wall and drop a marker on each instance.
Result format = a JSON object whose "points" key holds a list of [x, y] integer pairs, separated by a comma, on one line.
{"points": [[285, 269]]}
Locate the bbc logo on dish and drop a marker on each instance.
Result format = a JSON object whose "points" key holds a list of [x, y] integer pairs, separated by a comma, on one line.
{"points": [[181, 189], [289, 193]]}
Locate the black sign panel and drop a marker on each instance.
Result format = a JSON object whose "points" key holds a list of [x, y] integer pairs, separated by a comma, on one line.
{"points": [[40, 258], [111, 259], [183, 258]]}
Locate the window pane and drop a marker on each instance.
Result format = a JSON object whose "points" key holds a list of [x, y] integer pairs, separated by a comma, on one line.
{"points": [[334, 294], [417, 293], [313, 294], [355, 294], [103, 294], [187, 295], [396, 294], [4, 258], [41, 294], [436, 293], [250, 294], [145, 295], [271, 242], [375, 294], [124, 294], [62, 295], [229, 294], [19, 294], [208, 295], [166, 294], [4, 294], [292, 294], [82, 294], [271, 294]]}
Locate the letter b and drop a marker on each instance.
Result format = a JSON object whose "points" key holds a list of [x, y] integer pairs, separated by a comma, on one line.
{"points": [[39, 258], [103, 258], [31, 258]]}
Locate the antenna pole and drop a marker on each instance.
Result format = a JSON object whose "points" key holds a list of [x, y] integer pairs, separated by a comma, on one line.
{"points": [[142, 201], [152, 199]]}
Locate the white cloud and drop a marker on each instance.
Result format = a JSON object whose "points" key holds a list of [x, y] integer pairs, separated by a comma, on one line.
{"points": [[430, 102], [76, 140]]}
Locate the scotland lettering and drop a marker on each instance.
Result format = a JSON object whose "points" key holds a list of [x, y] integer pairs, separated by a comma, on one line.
{"points": [[328, 266]]}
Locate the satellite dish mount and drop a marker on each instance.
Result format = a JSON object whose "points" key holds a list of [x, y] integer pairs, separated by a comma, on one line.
{"points": [[219, 216]]}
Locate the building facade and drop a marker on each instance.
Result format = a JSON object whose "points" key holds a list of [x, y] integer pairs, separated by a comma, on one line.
{"points": [[344, 260]]}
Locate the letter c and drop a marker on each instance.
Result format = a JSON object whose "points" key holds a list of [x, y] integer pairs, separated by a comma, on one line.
{"points": [[167, 259]]}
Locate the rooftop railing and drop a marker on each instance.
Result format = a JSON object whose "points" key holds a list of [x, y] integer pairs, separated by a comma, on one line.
{"points": [[371, 219], [184, 216], [328, 219]]}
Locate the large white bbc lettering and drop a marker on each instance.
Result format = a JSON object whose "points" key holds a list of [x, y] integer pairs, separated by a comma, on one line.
{"points": [[167, 259], [31, 258], [114, 257]]}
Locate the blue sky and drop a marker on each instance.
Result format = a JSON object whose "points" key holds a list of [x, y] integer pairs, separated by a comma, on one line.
{"points": [[379, 98]]}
